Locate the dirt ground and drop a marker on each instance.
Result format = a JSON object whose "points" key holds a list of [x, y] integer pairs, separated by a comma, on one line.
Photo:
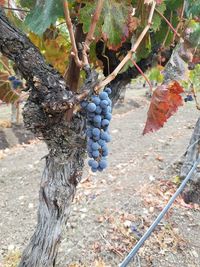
{"points": [[114, 208]]}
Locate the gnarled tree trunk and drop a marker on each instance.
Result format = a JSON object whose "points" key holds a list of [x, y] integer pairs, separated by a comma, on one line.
{"points": [[44, 114], [58, 186]]}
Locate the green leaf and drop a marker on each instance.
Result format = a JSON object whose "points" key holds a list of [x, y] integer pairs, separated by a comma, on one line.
{"points": [[155, 75], [112, 25], [164, 34], [27, 3], [114, 28], [86, 15], [44, 14], [174, 4], [193, 8], [144, 48], [157, 18]]}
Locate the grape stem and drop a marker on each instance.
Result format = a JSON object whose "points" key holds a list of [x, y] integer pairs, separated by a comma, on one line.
{"points": [[143, 75], [129, 55]]}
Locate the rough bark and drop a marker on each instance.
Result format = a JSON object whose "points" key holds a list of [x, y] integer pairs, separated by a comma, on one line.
{"points": [[43, 115], [57, 190]]}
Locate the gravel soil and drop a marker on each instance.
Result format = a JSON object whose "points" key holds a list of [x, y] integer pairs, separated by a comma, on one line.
{"points": [[112, 209]]}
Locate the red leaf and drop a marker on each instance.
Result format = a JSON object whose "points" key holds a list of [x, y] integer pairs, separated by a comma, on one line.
{"points": [[165, 101], [196, 60], [2, 2]]}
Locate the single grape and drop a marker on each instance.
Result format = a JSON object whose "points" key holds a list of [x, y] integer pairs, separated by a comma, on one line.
{"points": [[84, 104], [103, 164], [98, 110], [94, 164], [103, 96], [96, 100], [108, 138], [105, 122], [90, 154], [90, 142], [91, 107], [105, 153], [99, 169], [90, 162], [109, 102], [95, 153], [103, 103], [96, 138], [108, 90], [97, 119], [89, 132], [101, 142], [95, 146], [108, 116], [11, 78], [96, 132], [103, 135], [94, 169]]}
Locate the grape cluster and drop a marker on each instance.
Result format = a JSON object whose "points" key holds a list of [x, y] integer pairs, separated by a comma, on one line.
{"points": [[188, 98], [98, 109], [15, 82]]}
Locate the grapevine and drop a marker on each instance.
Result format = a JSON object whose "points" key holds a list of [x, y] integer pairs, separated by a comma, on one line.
{"points": [[98, 111]]}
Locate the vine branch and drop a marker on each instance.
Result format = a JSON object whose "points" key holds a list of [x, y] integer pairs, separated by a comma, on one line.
{"points": [[71, 33], [95, 19], [89, 37], [129, 55]]}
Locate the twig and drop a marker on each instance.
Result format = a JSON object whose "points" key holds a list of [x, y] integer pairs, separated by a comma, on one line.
{"points": [[167, 21], [5, 66], [95, 18], [142, 73], [15, 9], [180, 20], [89, 37], [168, 31], [71, 33], [130, 53]]}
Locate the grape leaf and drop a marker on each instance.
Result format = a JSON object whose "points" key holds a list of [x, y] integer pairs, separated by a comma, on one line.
{"points": [[174, 4], [43, 15], [54, 46], [2, 2], [156, 75], [157, 18], [193, 8], [114, 29], [115, 22], [85, 16], [165, 101], [27, 3]]}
